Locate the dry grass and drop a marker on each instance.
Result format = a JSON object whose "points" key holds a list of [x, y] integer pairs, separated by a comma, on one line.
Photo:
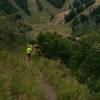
{"points": [[18, 79]]}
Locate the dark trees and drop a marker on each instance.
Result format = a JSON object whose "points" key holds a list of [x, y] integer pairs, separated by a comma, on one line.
{"points": [[57, 3]]}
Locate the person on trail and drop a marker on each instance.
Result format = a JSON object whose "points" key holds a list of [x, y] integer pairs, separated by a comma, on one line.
{"points": [[29, 51]]}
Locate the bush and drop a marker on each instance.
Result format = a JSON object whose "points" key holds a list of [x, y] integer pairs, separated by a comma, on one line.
{"points": [[67, 88], [24, 5], [83, 56], [57, 3], [7, 7], [54, 46], [70, 16], [88, 2], [39, 5], [9, 32], [86, 56]]}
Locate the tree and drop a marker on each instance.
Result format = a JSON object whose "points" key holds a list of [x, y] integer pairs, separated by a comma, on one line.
{"points": [[70, 16], [39, 5], [84, 18], [85, 56], [57, 3], [88, 2], [78, 5], [54, 46], [24, 5], [7, 7]]}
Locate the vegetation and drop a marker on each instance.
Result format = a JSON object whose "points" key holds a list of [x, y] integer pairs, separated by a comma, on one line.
{"points": [[23, 4], [39, 4], [71, 64], [53, 46], [13, 29], [5, 5], [89, 2], [57, 3], [82, 56], [65, 85], [17, 77], [8, 30]]}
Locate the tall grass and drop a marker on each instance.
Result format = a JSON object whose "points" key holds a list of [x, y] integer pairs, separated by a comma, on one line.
{"points": [[66, 86], [17, 78]]}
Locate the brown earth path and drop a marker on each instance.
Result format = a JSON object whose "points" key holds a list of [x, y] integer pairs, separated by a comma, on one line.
{"points": [[48, 90]]}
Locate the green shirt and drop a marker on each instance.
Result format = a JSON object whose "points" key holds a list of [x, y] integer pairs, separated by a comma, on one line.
{"points": [[29, 50]]}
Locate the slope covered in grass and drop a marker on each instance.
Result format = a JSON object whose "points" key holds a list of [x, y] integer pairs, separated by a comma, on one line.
{"points": [[17, 78], [64, 83]]}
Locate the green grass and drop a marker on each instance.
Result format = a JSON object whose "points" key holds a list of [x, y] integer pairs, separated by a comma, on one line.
{"points": [[67, 87], [17, 78], [61, 29]]}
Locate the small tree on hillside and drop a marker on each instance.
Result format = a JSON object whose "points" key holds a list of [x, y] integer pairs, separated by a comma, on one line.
{"points": [[39, 5], [88, 2]]}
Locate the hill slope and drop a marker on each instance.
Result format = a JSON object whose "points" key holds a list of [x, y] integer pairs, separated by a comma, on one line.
{"points": [[22, 79]]}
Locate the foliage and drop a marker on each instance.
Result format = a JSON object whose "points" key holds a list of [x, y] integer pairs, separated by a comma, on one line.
{"points": [[39, 5], [17, 77], [66, 86], [88, 2], [83, 56], [7, 29], [23, 4], [54, 46], [91, 62], [70, 16], [57, 3], [7, 7], [78, 5], [9, 32]]}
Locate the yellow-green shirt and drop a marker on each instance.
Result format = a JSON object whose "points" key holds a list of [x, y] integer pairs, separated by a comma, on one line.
{"points": [[29, 50]]}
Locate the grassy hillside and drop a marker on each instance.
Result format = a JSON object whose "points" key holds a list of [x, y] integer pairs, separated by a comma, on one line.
{"points": [[18, 78], [66, 86], [65, 66]]}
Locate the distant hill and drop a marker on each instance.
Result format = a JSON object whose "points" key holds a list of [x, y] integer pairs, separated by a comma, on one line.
{"points": [[48, 14]]}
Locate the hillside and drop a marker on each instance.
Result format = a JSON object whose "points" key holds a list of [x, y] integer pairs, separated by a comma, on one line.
{"points": [[20, 79], [49, 50], [48, 18]]}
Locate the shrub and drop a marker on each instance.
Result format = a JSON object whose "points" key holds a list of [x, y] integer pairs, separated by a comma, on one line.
{"points": [[39, 5], [23, 4], [54, 46], [7, 7], [83, 56], [70, 16], [86, 56], [9, 32], [57, 3], [88, 2]]}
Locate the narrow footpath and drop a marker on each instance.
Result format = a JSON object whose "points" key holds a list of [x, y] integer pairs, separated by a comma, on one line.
{"points": [[49, 92]]}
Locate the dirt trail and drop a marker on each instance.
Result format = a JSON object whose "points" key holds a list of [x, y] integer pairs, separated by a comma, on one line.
{"points": [[49, 92]]}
